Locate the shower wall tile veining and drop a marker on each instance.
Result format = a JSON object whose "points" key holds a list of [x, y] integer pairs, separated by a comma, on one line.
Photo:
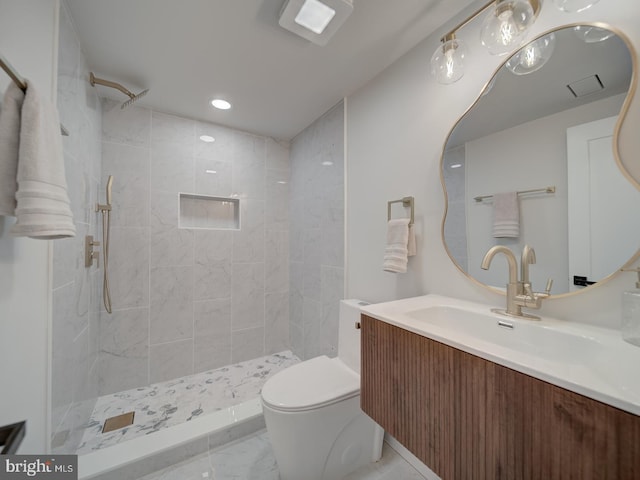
{"points": [[76, 290], [187, 300], [317, 235]]}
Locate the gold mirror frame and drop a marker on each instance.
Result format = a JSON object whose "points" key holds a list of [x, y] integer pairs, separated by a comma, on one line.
{"points": [[616, 153]]}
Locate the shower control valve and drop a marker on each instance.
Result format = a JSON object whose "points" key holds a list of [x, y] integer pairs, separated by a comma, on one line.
{"points": [[89, 253]]}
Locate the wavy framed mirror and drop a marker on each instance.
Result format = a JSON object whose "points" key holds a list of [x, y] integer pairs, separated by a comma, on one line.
{"points": [[548, 134]]}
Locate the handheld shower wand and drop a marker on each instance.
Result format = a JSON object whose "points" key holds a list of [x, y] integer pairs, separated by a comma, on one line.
{"points": [[109, 185], [106, 226]]}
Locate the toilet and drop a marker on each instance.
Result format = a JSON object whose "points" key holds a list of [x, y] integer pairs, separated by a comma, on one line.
{"points": [[312, 411]]}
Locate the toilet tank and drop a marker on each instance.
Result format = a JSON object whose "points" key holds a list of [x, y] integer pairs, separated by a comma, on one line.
{"points": [[348, 334]]}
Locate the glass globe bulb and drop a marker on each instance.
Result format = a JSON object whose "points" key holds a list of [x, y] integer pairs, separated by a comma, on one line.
{"points": [[592, 34], [447, 62], [572, 6], [532, 56], [506, 26]]}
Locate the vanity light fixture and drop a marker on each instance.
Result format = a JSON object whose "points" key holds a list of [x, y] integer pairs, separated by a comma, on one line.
{"points": [[447, 62], [315, 20], [507, 24], [572, 6], [213, 172], [220, 104], [532, 56], [504, 27]]}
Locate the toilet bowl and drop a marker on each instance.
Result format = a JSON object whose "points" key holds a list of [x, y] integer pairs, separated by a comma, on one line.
{"points": [[312, 412]]}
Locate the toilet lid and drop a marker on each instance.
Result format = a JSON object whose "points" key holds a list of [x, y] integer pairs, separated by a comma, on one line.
{"points": [[313, 383]]}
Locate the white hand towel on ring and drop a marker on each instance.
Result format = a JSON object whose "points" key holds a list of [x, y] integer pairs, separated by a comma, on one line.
{"points": [[400, 245]]}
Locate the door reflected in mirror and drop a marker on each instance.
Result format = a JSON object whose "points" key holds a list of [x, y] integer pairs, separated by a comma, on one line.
{"points": [[554, 126]]}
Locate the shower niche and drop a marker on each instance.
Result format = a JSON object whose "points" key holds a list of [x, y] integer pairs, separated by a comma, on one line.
{"points": [[207, 212]]}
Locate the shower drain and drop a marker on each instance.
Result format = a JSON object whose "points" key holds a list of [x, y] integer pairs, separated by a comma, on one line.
{"points": [[119, 421]]}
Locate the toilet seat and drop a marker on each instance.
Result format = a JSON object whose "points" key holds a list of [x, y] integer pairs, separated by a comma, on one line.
{"points": [[312, 384]]}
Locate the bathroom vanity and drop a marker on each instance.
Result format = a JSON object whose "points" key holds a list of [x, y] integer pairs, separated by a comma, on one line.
{"points": [[476, 395]]}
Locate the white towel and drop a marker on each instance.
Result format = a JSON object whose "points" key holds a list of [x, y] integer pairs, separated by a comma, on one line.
{"points": [[9, 141], [43, 207], [506, 215], [398, 243], [411, 242]]}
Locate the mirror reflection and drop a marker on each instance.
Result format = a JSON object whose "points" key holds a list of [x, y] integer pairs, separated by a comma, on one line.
{"points": [[547, 133]]}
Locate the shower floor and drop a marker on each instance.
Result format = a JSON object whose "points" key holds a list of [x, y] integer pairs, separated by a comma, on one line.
{"points": [[170, 403]]}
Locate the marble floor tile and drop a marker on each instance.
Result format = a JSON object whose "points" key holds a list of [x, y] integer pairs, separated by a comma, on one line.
{"points": [[169, 403], [248, 459], [390, 467], [251, 458], [196, 468]]}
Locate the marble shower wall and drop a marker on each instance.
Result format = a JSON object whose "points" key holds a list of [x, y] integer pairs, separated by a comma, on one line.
{"points": [[76, 289], [317, 235], [190, 300]]}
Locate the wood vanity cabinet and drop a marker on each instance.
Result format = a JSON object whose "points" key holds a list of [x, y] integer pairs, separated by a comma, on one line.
{"points": [[468, 418]]}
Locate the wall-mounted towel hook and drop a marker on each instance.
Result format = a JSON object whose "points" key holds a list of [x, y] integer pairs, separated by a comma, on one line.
{"points": [[406, 202]]}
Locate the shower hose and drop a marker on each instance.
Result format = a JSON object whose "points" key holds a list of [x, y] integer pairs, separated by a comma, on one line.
{"points": [[106, 225]]}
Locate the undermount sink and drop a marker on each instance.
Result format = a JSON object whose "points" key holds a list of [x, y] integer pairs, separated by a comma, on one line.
{"points": [[593, 361], [522, 336]]}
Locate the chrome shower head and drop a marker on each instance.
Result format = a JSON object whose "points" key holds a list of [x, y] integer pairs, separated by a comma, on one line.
{"points": [[134, 98]]}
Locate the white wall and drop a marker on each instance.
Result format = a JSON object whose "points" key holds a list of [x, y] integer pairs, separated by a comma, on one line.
{"points": [[28, 39], [516, 159], [397, 125]]}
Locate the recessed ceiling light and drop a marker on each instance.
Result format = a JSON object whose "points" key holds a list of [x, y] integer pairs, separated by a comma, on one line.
{"points": [[207, 138], [315, 16], [210, 171], [220, 104], [327, 163], [456, 165], [282, 182]]}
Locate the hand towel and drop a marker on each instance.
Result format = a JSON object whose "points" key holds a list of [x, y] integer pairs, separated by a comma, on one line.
{"points": [[9, 142], [43, 209], [396, 252], [411, 242], [506, 215]]}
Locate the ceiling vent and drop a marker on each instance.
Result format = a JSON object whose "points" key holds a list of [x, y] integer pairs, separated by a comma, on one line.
{"points": [[315, 20], [586, 86]]}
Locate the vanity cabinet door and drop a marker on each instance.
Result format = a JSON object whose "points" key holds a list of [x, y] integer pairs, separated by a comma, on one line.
{"points": [[468, 418]]}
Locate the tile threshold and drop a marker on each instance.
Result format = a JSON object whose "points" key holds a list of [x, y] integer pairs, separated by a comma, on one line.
{"points": [[99, 462]]}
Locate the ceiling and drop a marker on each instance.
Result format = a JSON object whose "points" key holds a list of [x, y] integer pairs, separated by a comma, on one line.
{"points": [[188, 52]]}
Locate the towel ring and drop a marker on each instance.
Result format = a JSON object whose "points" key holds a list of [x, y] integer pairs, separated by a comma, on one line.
{"points": [[406, 202]]}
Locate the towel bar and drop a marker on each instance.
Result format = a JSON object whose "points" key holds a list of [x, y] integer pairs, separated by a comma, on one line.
{"points": [[406, 202], [551, 189], [17, 79]]}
